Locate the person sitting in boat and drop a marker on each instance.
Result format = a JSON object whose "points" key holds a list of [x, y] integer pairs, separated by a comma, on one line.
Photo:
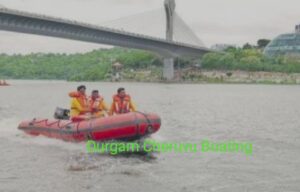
{"points": [[79, 104], [97, 105], [122, 103]]}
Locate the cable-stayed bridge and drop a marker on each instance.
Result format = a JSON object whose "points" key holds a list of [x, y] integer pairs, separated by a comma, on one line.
{"points": [[180, 41], [153, 23]]}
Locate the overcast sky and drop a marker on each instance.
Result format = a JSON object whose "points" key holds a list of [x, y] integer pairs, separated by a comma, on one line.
{"points": [[214, 21]]}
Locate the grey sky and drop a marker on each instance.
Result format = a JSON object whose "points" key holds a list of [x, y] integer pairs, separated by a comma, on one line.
{"points": [[214, 21]]}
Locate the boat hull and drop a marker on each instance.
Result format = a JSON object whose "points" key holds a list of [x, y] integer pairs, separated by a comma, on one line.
{"points": [[128, 126]]}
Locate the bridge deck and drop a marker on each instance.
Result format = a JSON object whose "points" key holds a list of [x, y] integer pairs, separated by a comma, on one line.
{"points": [[24, 22]]}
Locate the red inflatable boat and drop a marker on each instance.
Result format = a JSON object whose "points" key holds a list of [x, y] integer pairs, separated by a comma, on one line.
{"points": [[128, 126], [4, 83]]}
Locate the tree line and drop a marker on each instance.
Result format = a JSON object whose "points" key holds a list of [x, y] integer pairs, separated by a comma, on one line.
{"points": [[250, 58], [97, 65], [91, 66]]}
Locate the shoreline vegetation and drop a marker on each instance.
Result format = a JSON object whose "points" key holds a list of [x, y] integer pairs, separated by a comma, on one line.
{"points": [[234, 65]]}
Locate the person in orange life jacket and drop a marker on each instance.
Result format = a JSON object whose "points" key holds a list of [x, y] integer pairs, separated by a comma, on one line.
{"points": [[79, 104], [97, 105], [122, 103]]}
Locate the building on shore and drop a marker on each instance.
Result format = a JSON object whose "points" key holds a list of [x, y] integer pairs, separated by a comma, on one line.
{"points": [[286, 44], [116, 70]]}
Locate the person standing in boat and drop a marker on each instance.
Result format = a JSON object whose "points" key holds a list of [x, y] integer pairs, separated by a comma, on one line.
{"points": [[79, 104], [122, 103], [97, 105]]}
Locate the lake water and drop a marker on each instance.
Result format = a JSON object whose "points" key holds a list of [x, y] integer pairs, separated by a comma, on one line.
{"points": [[265, 115]]}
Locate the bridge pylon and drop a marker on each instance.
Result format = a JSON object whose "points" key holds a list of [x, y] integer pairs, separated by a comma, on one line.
{"points": [[168, 68]]}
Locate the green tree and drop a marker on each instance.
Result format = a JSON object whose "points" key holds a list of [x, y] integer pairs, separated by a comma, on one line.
{"points": [[262, 43], [247, 46]]}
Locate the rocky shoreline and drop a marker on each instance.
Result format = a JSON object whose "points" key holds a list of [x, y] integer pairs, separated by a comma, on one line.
{"points": [[214, 76]]}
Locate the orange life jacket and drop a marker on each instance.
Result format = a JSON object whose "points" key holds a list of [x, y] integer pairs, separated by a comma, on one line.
{"points": [[82, 99], [94, 103], [121, 105]]}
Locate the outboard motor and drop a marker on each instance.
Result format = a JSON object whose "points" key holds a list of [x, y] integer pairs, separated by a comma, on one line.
{"points": [[62, 114]]}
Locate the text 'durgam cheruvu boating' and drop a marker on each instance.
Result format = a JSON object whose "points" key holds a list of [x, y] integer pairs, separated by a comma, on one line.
{"points": [[130, 126]]}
